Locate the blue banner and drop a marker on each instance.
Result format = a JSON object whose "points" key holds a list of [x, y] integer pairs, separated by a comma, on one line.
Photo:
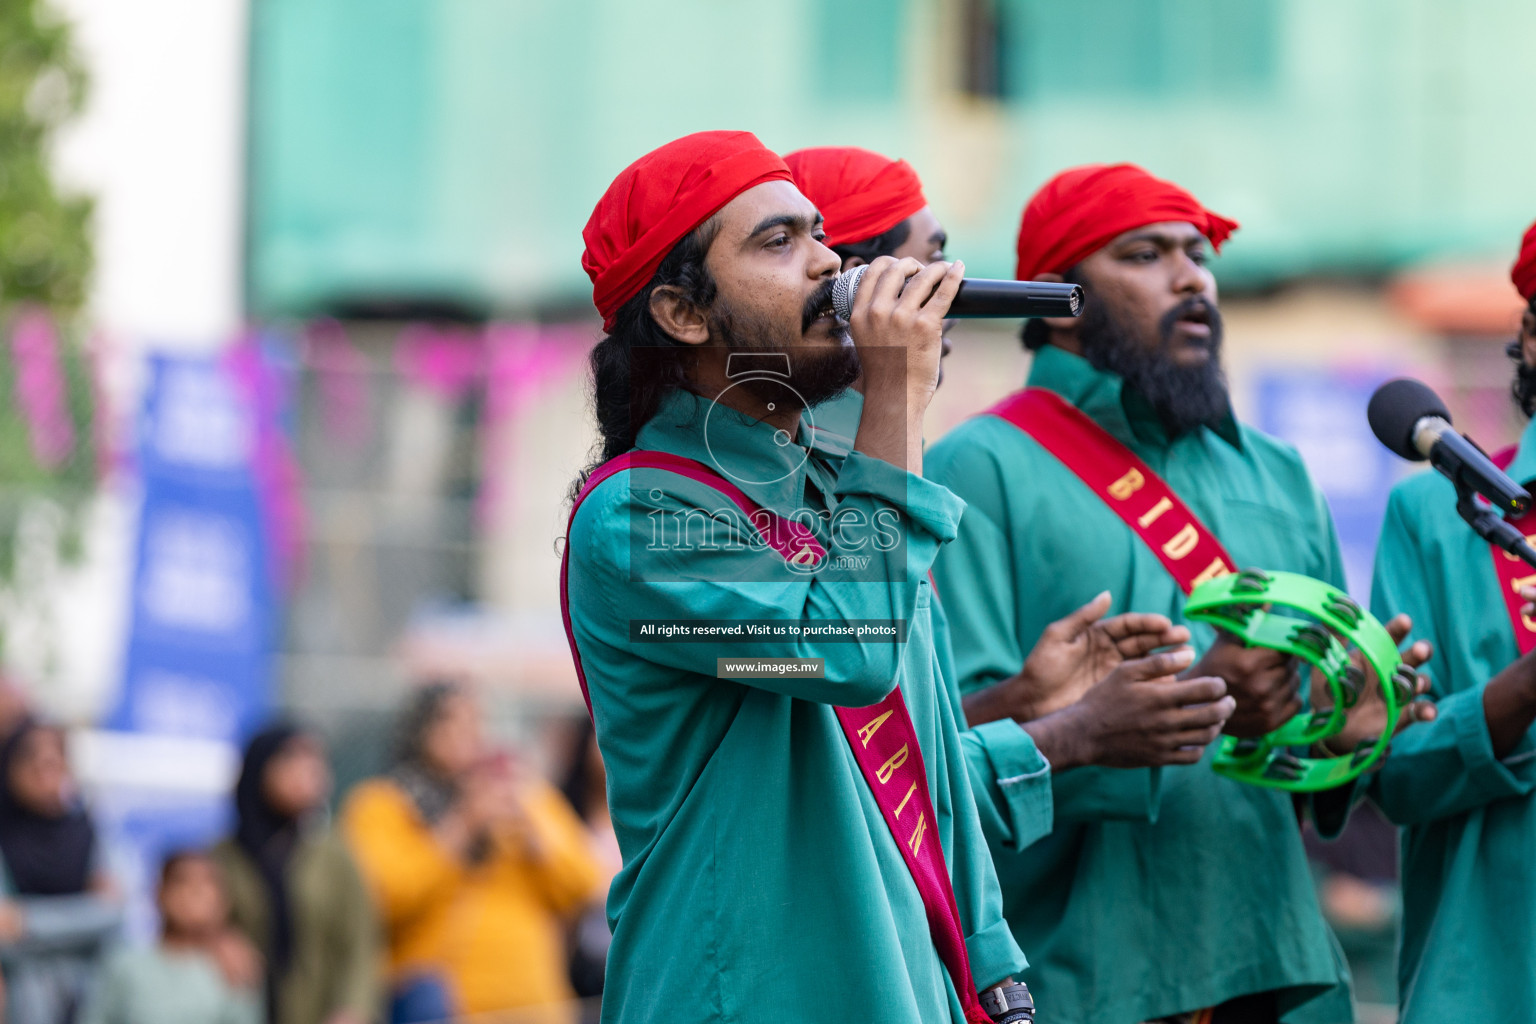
{"points": [[1322, 413], [204, 615]]}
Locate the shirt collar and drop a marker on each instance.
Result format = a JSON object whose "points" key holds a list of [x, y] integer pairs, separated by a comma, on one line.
{"points": [[1523, 469], [745, 451], [1106, 400]]}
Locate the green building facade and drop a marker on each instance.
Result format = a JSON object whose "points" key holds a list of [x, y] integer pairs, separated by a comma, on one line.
{"points": [[410, 154]]}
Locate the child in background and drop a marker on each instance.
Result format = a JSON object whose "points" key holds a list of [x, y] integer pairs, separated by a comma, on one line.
{"points": [[201, 972]]}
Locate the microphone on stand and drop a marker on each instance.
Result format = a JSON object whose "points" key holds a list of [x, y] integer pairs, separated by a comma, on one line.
{"points": [[1411, 420], [979, 297]]}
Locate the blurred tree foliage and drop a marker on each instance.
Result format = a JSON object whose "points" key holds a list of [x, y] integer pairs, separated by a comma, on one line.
{"points": [[45, 251], [45, 262]]}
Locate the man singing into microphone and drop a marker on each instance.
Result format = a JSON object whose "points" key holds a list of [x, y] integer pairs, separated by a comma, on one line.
{"points": [[1157, 896], [800, 841], [874, 206], [1461, 786]]}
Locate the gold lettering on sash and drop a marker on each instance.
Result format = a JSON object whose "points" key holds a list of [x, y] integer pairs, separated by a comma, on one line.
{"points": [[910, 790], [1182, 543], [1127, 485], [1517, 585], [885, 771], [867, 732], [1156, 511], [1210, 572], [917, 834]]}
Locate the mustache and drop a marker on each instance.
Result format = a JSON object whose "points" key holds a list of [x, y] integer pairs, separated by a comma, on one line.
{"points": [[1195, 304], [817, 305]]}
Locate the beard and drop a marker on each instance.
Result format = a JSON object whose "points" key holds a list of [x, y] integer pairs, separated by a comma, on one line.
{"points": [[815, 374], [1184, 397]]}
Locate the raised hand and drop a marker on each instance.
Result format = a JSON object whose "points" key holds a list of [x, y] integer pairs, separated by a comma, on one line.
{"points": [[897, 324], [237, 959], [1140, 715], [1264, 682], [1368, 718], [1072, 654]]}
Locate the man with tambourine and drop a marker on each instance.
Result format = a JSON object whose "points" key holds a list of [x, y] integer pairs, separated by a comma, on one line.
{"points": [[1126, 710], [1179, 893], [1461, 786]]}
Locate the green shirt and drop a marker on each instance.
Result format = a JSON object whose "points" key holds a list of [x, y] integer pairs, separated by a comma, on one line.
{"points": [[1469, 893], [1157, 892], [334, 961], [155, 986], [1009, 777], [760, 881]]}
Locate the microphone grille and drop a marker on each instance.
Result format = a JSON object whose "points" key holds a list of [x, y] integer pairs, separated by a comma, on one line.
{"points": [[1394, 409], [844, 287]]}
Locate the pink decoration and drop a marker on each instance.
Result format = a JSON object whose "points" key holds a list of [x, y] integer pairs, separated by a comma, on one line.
{"points": [[41, 389], [447, 361], [524, 360], [513, 362], [279, 481]]}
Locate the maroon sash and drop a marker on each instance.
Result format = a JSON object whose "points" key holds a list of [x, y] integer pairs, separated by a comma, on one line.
{"points": [[1187, 549], [881, 736], [1512, 571]]}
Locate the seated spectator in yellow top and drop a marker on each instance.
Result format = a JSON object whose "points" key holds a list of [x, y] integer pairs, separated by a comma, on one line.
{"points": [[476, 868]]}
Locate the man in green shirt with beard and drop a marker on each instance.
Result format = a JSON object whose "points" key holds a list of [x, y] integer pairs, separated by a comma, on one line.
{"points": [[874, 206], [1193, 902], [1461, 787], [763, 877]]}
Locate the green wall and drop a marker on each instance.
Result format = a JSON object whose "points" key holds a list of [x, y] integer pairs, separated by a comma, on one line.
{"points": [[452, 149]]}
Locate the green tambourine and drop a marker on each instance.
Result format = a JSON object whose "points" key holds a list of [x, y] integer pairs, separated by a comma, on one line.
{"points": [[1254, 606]]}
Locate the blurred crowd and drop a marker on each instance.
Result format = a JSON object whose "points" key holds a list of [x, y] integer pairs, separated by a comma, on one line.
{"points": [[457, 884]]}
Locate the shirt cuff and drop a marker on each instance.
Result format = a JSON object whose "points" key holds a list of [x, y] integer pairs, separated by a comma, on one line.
{"points": [[1023, 778], [932, 506], [1512, 776], [994, 954]]}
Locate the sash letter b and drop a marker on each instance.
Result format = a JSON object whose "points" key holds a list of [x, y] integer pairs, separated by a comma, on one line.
{"points": [[1127, 485]]}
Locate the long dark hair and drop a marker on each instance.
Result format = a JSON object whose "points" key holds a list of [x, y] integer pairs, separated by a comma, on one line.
{"points": [[269, 839], [42, 854], [1035, 334], [637, 365]]}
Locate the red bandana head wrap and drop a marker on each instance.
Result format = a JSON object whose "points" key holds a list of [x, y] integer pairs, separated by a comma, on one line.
{"points": [[1079, 211], [656, 201], [1523, 273], [860, 194]]}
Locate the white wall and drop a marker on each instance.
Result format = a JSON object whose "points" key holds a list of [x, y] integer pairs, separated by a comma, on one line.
{"points": [[161, 146]]}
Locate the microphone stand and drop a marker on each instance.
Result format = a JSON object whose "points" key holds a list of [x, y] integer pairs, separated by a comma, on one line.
{"points": [[1491, 526]]}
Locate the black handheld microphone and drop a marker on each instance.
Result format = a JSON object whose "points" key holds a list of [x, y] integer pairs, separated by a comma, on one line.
{"points": [[1410, 419], [979, 297]]}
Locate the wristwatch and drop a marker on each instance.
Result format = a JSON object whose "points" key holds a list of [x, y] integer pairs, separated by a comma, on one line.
{"points": [[1009, 1004]]}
